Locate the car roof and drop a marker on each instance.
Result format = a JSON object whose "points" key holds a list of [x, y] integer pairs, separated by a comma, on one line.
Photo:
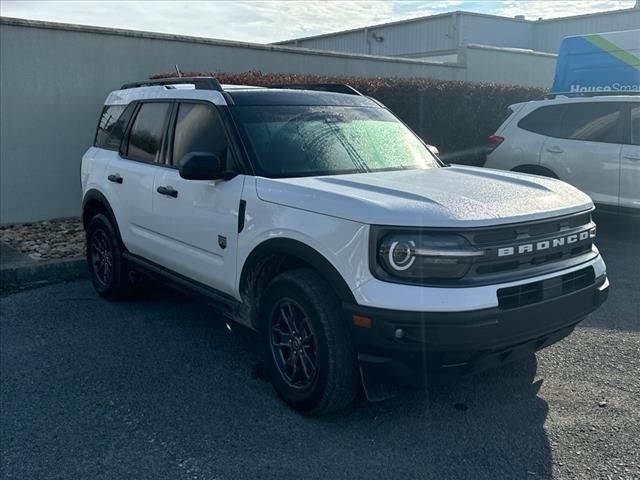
{"points": [[209, 88], [563, 99], [594, 98], [278, 96]]}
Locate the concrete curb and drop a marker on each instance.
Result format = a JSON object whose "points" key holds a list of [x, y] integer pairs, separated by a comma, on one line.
{"points": [[50, 271]]}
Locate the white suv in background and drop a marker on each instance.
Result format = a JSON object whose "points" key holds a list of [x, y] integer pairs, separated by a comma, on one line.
{"points": [[593, 143]]}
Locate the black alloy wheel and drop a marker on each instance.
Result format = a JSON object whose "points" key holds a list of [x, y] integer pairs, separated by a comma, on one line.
{"points": [[293, 343]]}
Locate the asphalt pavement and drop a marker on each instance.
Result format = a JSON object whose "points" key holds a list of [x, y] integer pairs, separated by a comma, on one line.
{"points": [[160, 388]]}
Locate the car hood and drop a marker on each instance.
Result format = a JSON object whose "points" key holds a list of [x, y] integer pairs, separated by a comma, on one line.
{"points": [[456, 196]]}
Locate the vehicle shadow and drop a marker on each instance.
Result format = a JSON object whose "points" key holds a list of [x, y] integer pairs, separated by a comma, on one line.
{"points": [[484, 426], [489, 425]]}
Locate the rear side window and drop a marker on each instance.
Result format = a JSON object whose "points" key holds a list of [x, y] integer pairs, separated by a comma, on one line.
{"points": [[593, 122], [544, 120], [145, 138], [198, 129], [111, 126], [635, 125]]}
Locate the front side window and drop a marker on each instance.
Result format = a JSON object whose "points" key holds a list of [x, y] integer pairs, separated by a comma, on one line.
{"points": [[290, 141], [146, 132], [198, 129], [594, 122], [635, 124]]}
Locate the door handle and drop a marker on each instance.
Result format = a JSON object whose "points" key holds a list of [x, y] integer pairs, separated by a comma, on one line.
{"points": [[168, 191], [632, 157], [115, 178], [554, 150]]}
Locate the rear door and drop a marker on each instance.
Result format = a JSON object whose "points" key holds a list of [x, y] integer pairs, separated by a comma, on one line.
{"points": [[132, 172], [198, 222], [585, 149], [630, 162]]}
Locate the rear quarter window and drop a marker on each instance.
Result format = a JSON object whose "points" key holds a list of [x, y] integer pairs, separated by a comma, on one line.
{"points": [[543, 120], [111, 126]]}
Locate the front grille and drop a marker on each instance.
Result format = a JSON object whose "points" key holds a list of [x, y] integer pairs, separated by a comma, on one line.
{"points": [[529, 293], [546, 234]]}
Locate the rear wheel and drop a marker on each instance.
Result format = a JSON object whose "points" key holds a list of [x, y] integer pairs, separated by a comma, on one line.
{"points": [[309, 353], [108, 270]]}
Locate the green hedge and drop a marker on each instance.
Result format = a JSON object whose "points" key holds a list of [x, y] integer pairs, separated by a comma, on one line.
{"points": [[456, 117]]}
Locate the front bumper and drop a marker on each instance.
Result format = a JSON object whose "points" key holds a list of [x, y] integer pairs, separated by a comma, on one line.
{"points": [[404, 344]]}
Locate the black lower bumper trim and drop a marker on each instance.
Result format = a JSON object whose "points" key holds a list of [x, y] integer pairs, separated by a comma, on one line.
{"points": [[401, 340]]}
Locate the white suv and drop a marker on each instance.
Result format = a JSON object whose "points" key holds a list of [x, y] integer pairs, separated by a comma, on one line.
{"points": [[592, 143], [321, 221]]}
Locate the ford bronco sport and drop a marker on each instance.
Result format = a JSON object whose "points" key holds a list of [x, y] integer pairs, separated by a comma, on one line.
{"points": [[317, 218]]}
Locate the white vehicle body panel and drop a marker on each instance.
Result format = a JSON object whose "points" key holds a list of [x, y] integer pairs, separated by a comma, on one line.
{"points": [[630, 176], [196, 233], [592, 167], [453, 197]]}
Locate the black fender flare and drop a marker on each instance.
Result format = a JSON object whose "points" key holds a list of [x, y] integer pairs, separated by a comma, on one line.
{"points": [[303, 252], [96, 196]]}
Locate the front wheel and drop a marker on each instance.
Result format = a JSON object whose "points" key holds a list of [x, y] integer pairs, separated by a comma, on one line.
{"points": [[309, 353]]}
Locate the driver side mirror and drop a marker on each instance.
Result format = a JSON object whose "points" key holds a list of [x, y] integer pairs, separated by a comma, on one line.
{"points": [[203, 166]]}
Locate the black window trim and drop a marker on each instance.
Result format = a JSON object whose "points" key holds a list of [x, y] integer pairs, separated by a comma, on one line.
{"points": [[628, 140]]}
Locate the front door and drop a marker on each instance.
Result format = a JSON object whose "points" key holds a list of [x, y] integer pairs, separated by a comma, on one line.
{"points": [[197, 220], [630, 163]]}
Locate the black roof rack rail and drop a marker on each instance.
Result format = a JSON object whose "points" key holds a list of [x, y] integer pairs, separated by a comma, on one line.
{"points": [[324, 87], [590, 94], [201, 83]]}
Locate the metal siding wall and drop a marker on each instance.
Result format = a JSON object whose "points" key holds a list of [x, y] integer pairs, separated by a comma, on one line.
{"points": [[486, 64], [352, 42], [549, 35], [433, 34], [496, 32], [53, 83], [430, 35]]}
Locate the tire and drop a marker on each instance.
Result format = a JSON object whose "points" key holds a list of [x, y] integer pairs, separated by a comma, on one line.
{"points": [[109, 272], [323, 377]]}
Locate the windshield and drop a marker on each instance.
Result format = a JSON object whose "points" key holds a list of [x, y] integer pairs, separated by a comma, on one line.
{"points": [[292, 141]]}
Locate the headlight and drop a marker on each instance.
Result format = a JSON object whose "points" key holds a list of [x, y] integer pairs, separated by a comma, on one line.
{"points": [[416, 257]]}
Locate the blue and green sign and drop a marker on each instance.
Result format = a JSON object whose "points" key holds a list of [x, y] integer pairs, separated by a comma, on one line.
{"points": [[606, 62]]}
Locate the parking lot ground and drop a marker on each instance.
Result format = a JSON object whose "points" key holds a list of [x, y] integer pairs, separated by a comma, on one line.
{"points": [[159, 388]]}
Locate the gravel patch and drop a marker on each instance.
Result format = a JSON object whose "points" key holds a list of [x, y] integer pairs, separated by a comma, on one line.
{"points": [[46, 240]]}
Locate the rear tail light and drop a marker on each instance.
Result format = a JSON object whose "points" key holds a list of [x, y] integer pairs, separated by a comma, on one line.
{"points": [[494, 142]]}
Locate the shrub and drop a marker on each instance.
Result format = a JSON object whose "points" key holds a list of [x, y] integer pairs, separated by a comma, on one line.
{"points": [[457, 117]]}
